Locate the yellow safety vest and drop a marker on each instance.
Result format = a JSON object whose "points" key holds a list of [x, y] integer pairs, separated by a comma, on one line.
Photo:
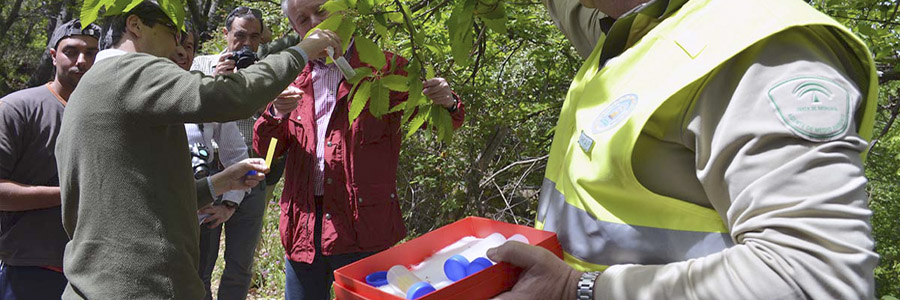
{"points": [[590, 196]]}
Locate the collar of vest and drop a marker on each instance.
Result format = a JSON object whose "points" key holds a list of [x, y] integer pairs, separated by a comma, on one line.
{"points": [[636, 23]]}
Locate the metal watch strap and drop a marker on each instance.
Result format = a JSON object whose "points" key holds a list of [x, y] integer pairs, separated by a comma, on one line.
{"points": [[586, 286]]}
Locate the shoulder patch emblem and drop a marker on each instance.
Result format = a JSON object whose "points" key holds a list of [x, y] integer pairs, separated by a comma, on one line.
{"points": [[815, 108], [616, 112]]}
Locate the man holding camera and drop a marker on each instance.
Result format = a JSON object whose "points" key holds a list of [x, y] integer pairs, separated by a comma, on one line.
{"points": [[242, 213], [129, 202], [32, 238]]}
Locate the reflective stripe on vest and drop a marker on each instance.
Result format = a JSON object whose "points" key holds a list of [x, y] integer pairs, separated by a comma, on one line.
{"points": [[608, 243], [590, 197]]}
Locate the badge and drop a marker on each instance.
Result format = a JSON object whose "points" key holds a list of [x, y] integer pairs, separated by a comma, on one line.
{"points": [[815, 108], [586, 142], [614, 114]]}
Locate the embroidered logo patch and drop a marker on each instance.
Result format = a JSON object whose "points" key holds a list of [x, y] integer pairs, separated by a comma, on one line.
{"points": [[614, 114], [814, 108]]}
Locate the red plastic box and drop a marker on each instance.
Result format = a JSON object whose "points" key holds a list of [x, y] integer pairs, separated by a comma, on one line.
{"points": [[350, 281]]}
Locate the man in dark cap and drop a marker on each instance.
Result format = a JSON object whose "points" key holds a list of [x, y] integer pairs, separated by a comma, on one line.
{"points": [[32, 239], [129, 200]]}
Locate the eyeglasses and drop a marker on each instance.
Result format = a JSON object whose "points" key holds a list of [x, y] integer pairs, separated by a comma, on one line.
{"points": [[174, 30]]}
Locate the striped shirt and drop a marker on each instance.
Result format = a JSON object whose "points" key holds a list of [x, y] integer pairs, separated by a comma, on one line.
{"points": [[326, 79], [225, 137]]}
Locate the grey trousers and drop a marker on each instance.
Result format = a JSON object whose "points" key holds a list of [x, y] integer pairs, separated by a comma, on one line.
{"points": [[242, 234]]}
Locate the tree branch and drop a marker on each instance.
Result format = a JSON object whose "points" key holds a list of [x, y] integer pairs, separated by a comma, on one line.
{"points": [[431, 11], [865, 20], [895, 110], [504, 169], [888, 76], [11, 18], [412, 37]]}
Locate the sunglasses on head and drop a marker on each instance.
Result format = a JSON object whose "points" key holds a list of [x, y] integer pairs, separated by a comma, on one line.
{"points": [[243, 10]]}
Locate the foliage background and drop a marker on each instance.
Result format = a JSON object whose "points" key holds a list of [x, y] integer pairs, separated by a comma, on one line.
{"points": [[513, 85]]}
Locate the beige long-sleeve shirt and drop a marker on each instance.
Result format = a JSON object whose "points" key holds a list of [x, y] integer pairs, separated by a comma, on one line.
{"points": [[796, 205]]}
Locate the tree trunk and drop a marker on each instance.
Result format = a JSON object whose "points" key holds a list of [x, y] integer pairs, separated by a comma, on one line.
{"points": [[211, 17], [11, 18], [198, 19]]}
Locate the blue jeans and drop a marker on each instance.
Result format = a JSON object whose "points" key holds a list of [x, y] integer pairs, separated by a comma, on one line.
{"points": [[313, 281], [30, 283]]}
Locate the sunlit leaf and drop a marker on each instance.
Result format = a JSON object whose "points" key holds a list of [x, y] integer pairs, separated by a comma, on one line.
{"points": [[90, 9], [331, 23], [335, 6], [361, 73], [395, 83], [370, 53], [380, 101], [417, 121], [345, 31], [360, 99], [175, 10], [460, 26]]}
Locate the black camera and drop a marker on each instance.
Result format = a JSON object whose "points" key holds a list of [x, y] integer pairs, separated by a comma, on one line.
{"points": [[244, 58], [200, 157]]}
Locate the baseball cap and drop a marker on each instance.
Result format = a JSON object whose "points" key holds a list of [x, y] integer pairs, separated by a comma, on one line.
{"points": [[72, 28]]}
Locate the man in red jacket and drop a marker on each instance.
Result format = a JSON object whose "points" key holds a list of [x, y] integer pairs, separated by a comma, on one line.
{"points": [[339, 202]]}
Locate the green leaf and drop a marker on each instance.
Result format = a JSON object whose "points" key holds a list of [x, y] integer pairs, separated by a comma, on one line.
{"points": [[345, 31], [380, 101], [90, 9], [334, 6], [462, 36], [379, 19], [429, 72], [492, 11], [332, 23], [382, 31], [395, 17], [496, 25], [361, 73], [364, 6], [360, 99], [370, 53], [442, 122], [119, 6], [400, 106], [418, 121], [395, 83], [175, 10], [132, 5]]}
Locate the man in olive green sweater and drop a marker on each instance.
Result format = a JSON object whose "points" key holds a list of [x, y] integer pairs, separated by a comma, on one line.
{"points": [[129, 200]]}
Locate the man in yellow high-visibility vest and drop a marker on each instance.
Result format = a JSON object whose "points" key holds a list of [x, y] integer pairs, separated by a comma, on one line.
{"points": [[707, 149]]}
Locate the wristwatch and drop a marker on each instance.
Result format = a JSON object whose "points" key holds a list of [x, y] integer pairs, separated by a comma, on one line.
{"points": [[229, 203], [455, 105], [586, 286]]}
